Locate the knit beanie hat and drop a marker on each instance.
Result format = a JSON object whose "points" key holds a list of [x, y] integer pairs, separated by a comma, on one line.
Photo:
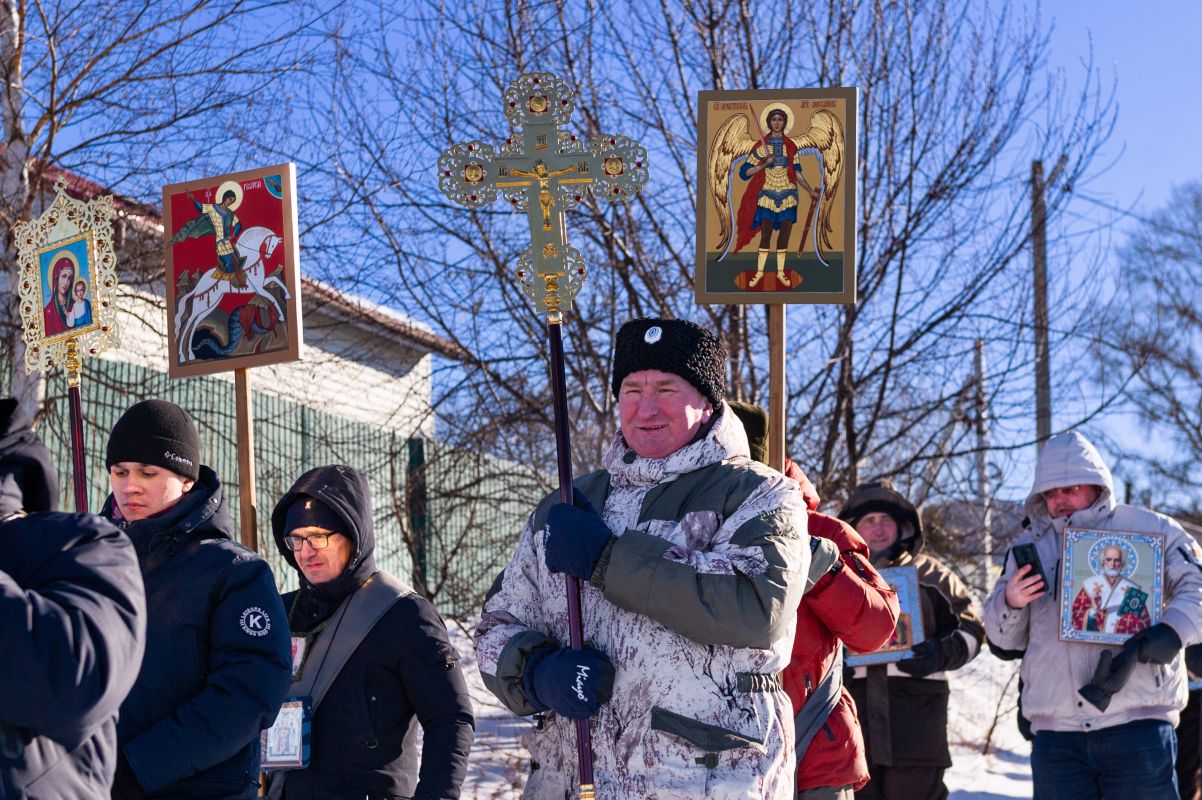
{"points": [[671, 345], [159, 433], [310, 512]]}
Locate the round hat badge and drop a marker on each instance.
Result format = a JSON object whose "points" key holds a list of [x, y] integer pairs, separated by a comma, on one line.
{"points": [[653, 334]]}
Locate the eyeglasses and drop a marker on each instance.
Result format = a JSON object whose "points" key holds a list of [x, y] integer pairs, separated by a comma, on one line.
{"points": [[1050, 493], [318, 541]]}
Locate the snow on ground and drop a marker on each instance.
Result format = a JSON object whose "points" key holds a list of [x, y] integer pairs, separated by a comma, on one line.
{"points": [[991, 760]]}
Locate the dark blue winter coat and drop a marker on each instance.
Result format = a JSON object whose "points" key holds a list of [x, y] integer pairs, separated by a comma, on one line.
{"points": [[217, 656], [72, 626], [405, 669]]}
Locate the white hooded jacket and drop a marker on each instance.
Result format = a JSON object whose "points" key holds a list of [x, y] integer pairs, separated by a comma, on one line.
{"points": [[1053, 670]]}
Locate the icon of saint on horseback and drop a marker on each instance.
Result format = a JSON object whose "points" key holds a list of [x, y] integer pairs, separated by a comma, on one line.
{"points": [[231, 271]]}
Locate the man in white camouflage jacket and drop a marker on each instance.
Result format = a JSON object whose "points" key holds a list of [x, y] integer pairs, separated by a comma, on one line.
{"points": [[694, 569]]}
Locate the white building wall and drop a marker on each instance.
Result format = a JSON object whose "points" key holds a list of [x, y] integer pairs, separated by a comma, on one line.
{"points": [[356, 371]]}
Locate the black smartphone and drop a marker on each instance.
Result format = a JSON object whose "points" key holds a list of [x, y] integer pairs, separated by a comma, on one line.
{"points": [[1026, 554]]}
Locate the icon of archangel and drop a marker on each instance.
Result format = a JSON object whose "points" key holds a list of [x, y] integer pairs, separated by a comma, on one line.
{"points": [[758, 184]]}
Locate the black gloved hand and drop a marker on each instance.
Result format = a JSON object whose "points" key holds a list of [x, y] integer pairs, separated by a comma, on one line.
{"points": [[576, 538], [1193, 661], [1158, 644], [572, 683], [1111, 675], [936, 655]]}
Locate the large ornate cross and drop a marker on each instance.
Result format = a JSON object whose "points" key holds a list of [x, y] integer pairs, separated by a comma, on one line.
{"points": [[545, 171]]}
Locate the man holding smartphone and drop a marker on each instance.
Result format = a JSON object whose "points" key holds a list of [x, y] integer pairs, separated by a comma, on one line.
{"points": [[1103, 719]]}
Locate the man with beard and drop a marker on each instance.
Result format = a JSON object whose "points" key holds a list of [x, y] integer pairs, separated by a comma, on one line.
{"points": [[1110, 602]]}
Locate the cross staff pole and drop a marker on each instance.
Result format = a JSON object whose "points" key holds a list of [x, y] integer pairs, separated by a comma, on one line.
{"points": [[79, 479], [546, 171]]}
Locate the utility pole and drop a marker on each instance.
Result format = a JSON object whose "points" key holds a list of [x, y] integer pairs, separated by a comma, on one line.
{"points": [[984, 496], [1039, 255]]}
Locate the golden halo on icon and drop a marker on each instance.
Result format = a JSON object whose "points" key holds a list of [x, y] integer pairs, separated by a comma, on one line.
{"points": [[775, 107], [229, 186]]}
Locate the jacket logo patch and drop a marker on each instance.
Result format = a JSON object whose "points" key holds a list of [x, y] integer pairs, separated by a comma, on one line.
{"points": [[255, 622]]}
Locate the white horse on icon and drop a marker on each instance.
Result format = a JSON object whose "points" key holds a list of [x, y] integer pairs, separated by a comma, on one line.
{"points": [[260, 247]]}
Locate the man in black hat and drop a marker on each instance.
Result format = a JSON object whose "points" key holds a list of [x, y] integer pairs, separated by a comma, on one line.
{"points": [[371, 656], [694, 559], [72, 629], [216, 664]]}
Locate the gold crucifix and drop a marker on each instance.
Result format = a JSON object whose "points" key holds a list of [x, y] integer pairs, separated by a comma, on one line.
{"points": [[545, 199]]}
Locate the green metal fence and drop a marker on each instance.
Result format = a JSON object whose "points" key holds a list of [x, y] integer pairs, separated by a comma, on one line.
{"points": [[444, 518]]}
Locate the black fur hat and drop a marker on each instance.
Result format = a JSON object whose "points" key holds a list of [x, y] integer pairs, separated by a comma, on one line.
{"points": [[671, 345]]}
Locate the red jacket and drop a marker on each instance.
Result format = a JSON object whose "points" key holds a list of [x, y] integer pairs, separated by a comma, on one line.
{"points": [[853, 606]]}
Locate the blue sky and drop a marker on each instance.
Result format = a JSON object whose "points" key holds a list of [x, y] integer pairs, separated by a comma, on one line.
{"points": [[1154, 52], [1151, 54]]}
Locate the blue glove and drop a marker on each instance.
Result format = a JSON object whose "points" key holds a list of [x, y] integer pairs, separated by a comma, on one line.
{"points": [[576, 538], [572, 683]]}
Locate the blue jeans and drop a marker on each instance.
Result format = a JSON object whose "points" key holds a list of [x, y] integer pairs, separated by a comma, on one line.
{"points": [[1127, 762]]}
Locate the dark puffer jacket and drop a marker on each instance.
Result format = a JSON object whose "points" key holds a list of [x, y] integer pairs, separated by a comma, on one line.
{"points": [[405, 668], [217, 655], [72, 626], [908, 728]]}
